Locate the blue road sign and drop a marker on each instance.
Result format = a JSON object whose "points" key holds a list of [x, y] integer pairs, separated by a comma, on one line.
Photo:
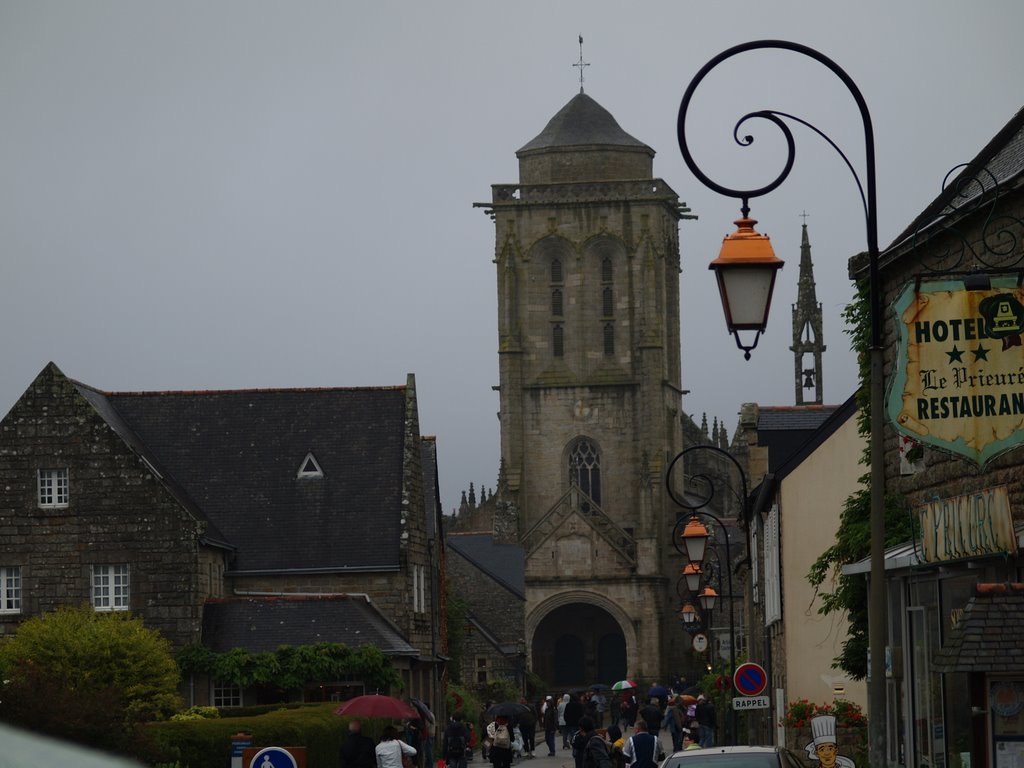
{"points": [[273, 757], [750, 679]]}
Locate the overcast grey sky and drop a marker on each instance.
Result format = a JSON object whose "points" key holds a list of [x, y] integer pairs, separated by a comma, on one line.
{"points": [[201, 195]]}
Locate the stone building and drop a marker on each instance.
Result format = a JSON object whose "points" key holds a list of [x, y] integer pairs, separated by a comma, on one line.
{"points": [[587, 262], [954, 408], [248, 518]]}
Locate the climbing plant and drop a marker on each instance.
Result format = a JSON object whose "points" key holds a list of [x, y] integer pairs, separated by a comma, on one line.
{"points": [[291, 667], [849, 594]]}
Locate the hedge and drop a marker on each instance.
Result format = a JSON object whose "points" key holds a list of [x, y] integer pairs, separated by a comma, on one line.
{"points": [[207, 743]]}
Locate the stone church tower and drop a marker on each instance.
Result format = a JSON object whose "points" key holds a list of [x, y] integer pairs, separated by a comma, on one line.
{"points": [[808, 342], [587, 255]]}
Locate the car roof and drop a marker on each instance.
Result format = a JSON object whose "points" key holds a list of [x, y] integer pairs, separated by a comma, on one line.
{"points": [[724, 750]]}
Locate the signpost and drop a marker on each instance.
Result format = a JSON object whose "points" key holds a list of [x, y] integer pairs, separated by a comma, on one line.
{"points": [[700, 643]]}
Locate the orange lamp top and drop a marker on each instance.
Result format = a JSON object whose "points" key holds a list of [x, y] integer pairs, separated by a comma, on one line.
{"points": [[746, 247]]}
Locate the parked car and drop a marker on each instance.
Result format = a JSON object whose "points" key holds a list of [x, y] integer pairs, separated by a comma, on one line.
{"points": [[733, 757]]}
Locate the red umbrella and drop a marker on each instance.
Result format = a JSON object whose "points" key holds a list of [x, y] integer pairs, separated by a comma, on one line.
{"points": [[375, 705]]}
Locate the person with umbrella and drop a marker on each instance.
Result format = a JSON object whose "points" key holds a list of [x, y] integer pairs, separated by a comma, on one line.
{"points": [[358, 749], [499, 733]]}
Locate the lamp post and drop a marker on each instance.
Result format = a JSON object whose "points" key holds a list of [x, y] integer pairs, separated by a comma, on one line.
{"points": [[876, 596], [690, 536]]}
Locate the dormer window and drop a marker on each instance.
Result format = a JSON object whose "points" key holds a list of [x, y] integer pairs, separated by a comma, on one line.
{"points": [[309, 467]]}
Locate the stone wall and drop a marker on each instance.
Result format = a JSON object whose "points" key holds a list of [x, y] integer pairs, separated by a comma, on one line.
{"points": [[118, 513], [944, 475]]}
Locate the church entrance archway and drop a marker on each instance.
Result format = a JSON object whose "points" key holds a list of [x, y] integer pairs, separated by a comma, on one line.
{"points": [[578, 644]]}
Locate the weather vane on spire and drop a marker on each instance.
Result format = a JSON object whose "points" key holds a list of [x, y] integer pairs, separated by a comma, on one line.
{"points": [[581, 64]]}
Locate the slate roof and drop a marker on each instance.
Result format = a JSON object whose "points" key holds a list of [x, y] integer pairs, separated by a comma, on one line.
{"points": [[582, 122], [987, 638], [235, 456], [785, 428], [505, 563], [1003, 157], [263, 624]]}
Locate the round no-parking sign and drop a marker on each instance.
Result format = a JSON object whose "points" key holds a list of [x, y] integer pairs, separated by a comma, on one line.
{"points": [[750, 679]]}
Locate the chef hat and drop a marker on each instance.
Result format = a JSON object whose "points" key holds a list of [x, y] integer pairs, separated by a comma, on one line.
{"points": [[823, 729]]}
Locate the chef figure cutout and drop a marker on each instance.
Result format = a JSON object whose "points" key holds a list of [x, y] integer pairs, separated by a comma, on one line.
{"points": [[825, 747]]}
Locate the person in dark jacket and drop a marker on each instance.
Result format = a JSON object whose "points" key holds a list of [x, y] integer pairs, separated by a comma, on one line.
{"points": [[572, 715], [705, 714], [595, 752], [550, 720], [358, 750], [455, 742]]}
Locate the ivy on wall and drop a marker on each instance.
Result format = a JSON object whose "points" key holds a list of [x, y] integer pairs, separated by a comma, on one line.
{"points": [[849, 594], [291, 667]]}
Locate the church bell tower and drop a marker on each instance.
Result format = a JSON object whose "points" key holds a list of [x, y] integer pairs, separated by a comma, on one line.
{"points": [[808, 342], [587, 257]]}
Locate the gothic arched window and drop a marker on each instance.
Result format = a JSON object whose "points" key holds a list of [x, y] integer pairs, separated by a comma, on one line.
{"points": [[585, 469], [557, 341], [556, 271], [556, 302], [609, 338]]}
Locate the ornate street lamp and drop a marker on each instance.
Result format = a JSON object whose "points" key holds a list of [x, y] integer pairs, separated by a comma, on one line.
{"points": [[745, 269], [876, 599], [692, 573], [708, 597], [695, 539], [689, 615]]}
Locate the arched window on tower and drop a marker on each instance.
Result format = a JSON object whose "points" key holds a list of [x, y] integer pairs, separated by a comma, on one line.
{"points": [[607, 306], [585, 469], [557, 341], [556, 271], [556, 302]]}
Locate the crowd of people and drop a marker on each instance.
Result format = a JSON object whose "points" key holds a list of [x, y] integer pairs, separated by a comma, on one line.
{"points": [[509, 733]]}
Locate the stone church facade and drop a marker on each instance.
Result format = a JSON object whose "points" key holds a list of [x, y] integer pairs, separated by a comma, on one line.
{"points": [[587, 261]]}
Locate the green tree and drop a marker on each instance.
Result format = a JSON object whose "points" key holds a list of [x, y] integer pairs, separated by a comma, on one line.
{"points": [[456, 610], [849, 594], [87, 676]]}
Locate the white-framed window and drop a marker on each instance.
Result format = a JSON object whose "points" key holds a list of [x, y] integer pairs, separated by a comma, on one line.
{"points": [[419, 589], [110, 587], [10, 589], [53, 487], [226, 695], [772, 573]]}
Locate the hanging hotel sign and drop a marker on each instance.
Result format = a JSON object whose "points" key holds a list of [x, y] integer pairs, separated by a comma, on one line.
{"points": [[971, 525], [958, 383]]}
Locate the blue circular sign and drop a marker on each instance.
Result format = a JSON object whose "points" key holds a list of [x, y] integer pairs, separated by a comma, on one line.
{"points": [[273, 757], [750, 679]]}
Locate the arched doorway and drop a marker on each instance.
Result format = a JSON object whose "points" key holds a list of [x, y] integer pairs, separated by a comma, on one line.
{"points": [[579, 644]]}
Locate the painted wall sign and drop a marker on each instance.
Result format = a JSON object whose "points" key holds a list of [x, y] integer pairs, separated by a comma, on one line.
{"points": [[958, 383], [967, 526]]}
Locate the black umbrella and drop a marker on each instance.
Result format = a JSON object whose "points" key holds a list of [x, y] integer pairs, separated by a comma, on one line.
{"points": [[693, 690], [575, 691], [599, 687], [509, 709]]}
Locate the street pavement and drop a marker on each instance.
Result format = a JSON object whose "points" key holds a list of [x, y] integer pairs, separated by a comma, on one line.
{"points": [[562, 758]]}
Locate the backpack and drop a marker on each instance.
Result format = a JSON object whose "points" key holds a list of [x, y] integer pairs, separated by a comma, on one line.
{"points": [[456, 746], [588, 754], [502, 737], [578, 743]]}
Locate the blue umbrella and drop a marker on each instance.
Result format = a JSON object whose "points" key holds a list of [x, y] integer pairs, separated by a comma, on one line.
{"points": [[657, 691]]}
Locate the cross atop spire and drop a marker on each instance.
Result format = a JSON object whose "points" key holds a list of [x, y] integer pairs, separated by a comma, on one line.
{"points": [[804, 216], [581, 64]]}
